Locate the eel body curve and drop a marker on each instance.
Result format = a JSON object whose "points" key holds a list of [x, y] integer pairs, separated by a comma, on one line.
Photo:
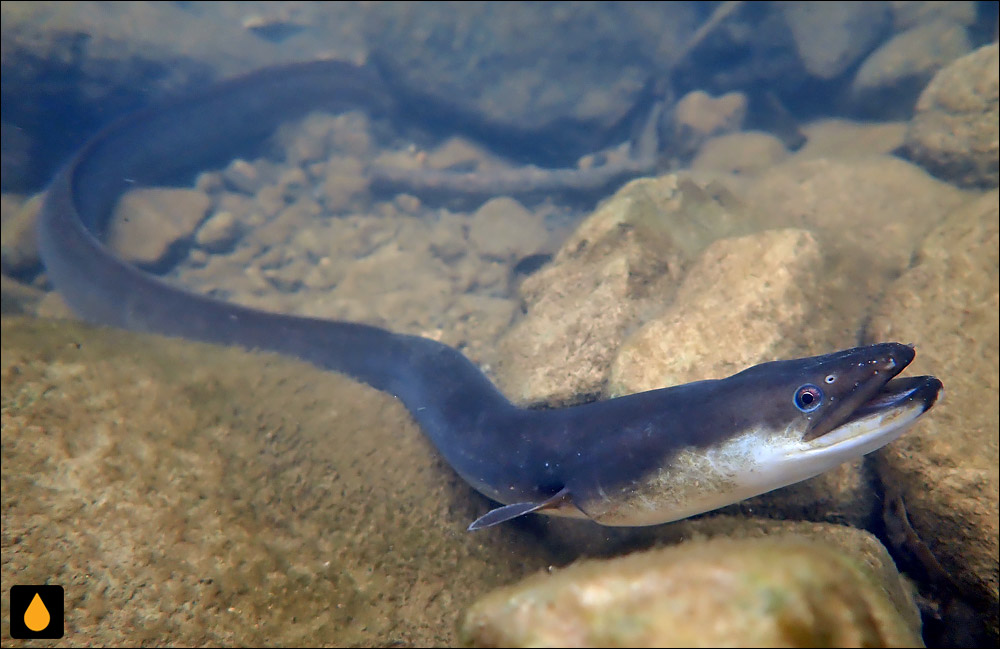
{"points": [[640, 459]]}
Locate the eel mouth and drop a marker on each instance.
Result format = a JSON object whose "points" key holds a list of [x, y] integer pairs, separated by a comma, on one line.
{"points": [[921, 390], [880, 419], [879, 396]]}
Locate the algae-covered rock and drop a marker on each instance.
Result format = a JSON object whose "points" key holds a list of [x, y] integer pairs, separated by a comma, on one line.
{"points": [[187, 494], [624, 260], [840, 138], [891, 78], [150, 224], [503, 229], [745, 153], [698, 116], [18, 248], [955, 132], [868, 212], [783, 590], [946, 469], [832, 36], [744, 301]]}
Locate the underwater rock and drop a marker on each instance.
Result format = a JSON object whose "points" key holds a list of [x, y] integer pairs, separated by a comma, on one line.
{"points": [[345, 184], [833, 36], [17, 298], [190, 494], [698, 116], [239, 175], [497, 68], [780, 590], [744, 153], [838, 138], [503, 229], [946, 469], [18, 246], [911, 14], [740, 304], [868, 212], [150, 225], [626, 258], [219, 232], [956, 131], [889, 81]]}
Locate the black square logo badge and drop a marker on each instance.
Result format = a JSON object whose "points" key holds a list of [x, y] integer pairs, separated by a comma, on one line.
{"points": [[37, 612]]}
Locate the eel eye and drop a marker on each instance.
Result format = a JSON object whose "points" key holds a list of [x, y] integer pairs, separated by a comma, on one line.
{"points": [[808, 397]]}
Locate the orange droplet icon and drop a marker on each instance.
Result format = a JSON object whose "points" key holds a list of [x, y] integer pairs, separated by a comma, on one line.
{"points": [[36, 617]]}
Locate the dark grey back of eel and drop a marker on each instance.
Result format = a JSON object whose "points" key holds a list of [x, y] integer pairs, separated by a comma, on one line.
{"points": [[569, 461]]}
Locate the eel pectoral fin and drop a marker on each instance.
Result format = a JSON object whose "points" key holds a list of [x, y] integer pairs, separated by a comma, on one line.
{"points": [[508, 512]]}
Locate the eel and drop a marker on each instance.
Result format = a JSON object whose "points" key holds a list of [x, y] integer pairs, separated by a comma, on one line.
{"points": [[640, 459]]}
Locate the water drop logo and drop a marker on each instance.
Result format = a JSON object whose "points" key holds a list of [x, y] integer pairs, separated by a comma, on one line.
{"points": [[37, 616], [37, 612]]}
